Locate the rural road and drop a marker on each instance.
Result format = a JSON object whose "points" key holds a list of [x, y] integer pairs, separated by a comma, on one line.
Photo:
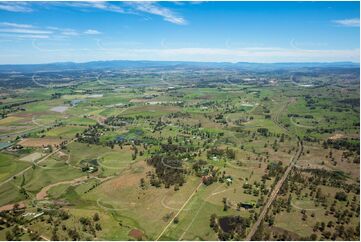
{"points": [[274, 193], [279, 184], [180, 210], [30, 167]]}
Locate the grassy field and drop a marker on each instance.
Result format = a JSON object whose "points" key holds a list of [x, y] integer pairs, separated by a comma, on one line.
{"points": [[10, 165], [143, 151]]}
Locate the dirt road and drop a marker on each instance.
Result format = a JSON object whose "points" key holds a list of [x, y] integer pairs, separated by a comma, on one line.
{"points": [[30, 167], [279, 184], [274, 193], [180, 210]]}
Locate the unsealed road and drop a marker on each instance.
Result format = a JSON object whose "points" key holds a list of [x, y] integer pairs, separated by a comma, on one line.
{"points": [[274, 193], [279, 184]]}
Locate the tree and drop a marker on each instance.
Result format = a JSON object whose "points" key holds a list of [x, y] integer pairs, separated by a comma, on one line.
{"points": [[9, 236], [176, 220], [96, 217], [54, 235], [341, 196], [98, 227], [271, 220], [73, 234], [213, 221], [330, 224], [313, 237], [225, 206]]}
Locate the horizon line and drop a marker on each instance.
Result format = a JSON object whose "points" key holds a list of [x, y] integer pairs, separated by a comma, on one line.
{"points": [[228, 62]]}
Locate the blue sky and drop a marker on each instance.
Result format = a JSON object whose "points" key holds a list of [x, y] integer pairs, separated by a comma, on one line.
{"points": [[43, 32]]}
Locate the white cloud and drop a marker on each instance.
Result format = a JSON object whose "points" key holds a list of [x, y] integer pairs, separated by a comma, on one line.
{"points": [[131, 8], [69, 32], [15, 25], [24, 36], [352, 22], [42, 32], [25, 31], [15, 7], [92, 32], [127, 8], [155, 9], [97, 5]]}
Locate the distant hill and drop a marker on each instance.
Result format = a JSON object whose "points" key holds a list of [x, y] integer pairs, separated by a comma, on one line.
{"points": [[122, 64]]}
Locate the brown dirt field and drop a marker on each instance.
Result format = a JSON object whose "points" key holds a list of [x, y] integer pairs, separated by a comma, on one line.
{"points": [[61, 154], [136, 233], [10, 206], [40, 142], [129, 179]]}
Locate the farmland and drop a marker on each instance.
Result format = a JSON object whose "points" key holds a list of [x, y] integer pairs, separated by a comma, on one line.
{"points": [[180, 153]]}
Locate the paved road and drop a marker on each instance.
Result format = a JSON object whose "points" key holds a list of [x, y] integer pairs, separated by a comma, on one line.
{"points": [[279, 184]]}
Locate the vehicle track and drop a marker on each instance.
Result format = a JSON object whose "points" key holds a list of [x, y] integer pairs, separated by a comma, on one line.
{"points": [[37, 163], [180, 210]]}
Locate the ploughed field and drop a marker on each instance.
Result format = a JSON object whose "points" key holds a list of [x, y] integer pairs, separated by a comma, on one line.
{"points": [[195, 157]]}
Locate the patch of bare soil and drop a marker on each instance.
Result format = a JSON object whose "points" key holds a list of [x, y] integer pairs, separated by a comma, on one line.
{"points": [[136, 233], [11, 206], [336, 136], [44, 192], [129, 179], [40, 142]]}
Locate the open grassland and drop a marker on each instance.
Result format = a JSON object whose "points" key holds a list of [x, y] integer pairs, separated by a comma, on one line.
{"points": [[10, 165], [145, 157]]}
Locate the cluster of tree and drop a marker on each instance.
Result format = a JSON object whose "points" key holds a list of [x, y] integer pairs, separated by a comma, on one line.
{"points": [[342, 209], [265, 234], [14, 107], [310, 102], [229, 227], [218, 152], [263, 131], [91, 135], [331, 178], [331, 231], [179, 115], [255, 189], [353, 102], [352, 145], [274, 170], [56, 95], [119, 120], [168, 170]]}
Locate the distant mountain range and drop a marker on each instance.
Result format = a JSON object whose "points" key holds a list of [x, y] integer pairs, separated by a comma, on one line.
{"points": [[122, 64]]}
